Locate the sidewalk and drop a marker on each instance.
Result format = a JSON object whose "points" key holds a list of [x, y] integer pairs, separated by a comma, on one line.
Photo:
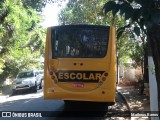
{"points": [[3, 98], [136, 101]]}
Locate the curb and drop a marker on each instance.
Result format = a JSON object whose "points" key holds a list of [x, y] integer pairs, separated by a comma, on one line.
{"points": [[125, 100]]}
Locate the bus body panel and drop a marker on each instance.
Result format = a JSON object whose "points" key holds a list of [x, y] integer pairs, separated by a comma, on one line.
{"points": [[98, 95], [101, 91]]}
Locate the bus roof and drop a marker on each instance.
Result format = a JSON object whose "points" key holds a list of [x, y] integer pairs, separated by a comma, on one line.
{"points": [[80, 26]]}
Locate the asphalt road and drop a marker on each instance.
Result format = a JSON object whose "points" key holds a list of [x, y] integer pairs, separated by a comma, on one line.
{"points": [[56, 109], [30, 102]]}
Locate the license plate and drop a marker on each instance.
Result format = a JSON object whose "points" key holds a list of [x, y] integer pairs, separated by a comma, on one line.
{"points": [[79, 85]]}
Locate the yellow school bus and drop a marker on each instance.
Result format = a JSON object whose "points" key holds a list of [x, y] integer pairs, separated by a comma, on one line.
{"points": [[80, 63]]}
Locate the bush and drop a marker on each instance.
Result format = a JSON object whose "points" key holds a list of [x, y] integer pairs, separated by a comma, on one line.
{"points": [[123, 83]]}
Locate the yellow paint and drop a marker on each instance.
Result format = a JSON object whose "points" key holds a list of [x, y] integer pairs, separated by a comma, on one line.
{"points": [[91, 91]]}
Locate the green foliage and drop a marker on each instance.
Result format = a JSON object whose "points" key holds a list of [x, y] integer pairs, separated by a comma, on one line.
{"points": [[35, 4], [83, 12], [139, 14], [21, 38], [137, 54], [134, 13], [144, 18], [145, 13], [89, 12]]}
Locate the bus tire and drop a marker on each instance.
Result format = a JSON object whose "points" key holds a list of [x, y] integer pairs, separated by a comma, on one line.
{"points": [[66, 101]]}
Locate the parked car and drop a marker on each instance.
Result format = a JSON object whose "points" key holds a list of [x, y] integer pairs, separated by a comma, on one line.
{"points": [[40, 79], [28, 79]]}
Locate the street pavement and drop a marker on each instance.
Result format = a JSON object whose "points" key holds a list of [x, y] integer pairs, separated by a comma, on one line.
{"points": [[36, 102], [138, 103]]}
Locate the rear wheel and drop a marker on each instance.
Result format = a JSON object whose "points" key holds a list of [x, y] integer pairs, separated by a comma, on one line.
{"points": [[35, 88], [40, 86], [68, 102], [86, 105]]}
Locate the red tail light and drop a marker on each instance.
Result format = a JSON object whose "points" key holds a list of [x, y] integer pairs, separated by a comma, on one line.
{"points": [[51, 73], [53, 77], [51, 90], [105, 74]]}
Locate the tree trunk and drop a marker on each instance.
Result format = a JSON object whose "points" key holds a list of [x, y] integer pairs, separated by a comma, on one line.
{"points": [[153, 34], [145, 66], [146, 74]]}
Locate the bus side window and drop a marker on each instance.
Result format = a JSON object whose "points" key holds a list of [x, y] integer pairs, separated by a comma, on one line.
{"points": [[56, 45]]}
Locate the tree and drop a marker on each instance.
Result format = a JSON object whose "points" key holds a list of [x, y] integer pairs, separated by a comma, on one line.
{"points": [[142, 16], [83, 12], [21, 38], [89, 12]]}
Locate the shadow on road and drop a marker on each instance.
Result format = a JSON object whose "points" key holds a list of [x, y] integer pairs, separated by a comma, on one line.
{"points": [[25, 92], [22, 92], [77, 109]]}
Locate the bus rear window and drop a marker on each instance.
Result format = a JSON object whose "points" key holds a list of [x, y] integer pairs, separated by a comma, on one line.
{"points": [[79, 42]]}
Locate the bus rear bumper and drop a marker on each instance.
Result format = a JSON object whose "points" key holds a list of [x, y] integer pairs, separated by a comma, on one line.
{"points": [[98, 95]]}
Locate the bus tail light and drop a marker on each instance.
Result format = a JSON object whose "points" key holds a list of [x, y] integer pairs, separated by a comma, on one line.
{"points": [[105, 74], [51, 73], [53, 77], [50, 90]]}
